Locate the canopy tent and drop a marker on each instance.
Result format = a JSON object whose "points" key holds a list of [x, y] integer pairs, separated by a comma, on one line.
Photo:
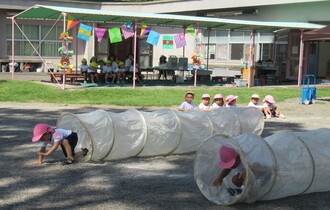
{"points": [[317, 34], [42, 12]]}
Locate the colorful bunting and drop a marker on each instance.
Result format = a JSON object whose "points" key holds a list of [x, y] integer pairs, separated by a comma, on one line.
{"points": [[144, 29], [115, 35], [71, 22], [84, 32], [168, 42], [127, 30], [191, 30], [99, 32], [180, 40], [153, 38]]}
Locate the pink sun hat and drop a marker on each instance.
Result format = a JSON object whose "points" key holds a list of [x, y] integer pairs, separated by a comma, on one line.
{"points": [[205, 95], [255, 96], [269, 99], [231, 98], [39, 130], [227, 157], [217, 96]]}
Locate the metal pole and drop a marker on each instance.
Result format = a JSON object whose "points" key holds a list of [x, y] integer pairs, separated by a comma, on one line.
{"points": [[12, 48], [64, 27], [134, 60], [208, 48], [250, 60], [301, 58]]}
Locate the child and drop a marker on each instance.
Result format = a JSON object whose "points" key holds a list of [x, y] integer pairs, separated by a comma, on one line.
{"points": [[254, 103], [231, 101], [230, 160], [84, 68], [162, 63], [274, 110], [107, 71], [56, 137], [188, 103], [205, 104], [91, 71], [217, 101], [114, 67], [129, 67], [121, 72]]}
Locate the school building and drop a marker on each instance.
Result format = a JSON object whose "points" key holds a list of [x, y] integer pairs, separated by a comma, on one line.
{"points": [[274, 52]]}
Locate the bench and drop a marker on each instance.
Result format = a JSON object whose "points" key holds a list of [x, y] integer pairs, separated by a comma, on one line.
{"points": [[71, 77]]}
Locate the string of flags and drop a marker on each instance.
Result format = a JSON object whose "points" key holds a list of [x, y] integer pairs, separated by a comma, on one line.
{"points": [[126, 31]]}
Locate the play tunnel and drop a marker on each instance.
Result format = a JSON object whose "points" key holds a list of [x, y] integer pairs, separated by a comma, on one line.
{"points": [[281, 165], [110, 135]]}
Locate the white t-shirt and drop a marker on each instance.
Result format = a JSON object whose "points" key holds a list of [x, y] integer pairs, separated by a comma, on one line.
{"points": [[271, 107], [203, 106], [114, 66], [215, 105], [83, 68], [106, 69], [58, 136], [128, 64], [251, 104], [186, 105]]}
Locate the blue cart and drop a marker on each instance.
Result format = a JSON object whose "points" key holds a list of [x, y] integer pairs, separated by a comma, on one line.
{"points": [[308, 91]]}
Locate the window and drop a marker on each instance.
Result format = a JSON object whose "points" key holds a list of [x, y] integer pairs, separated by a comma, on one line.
{"points": [[211, 54], [267, 52], [222, 51], [44, 40], [237, 51]]}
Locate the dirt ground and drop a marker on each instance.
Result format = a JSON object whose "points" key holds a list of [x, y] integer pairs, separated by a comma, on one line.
{"points": [[134, 183]]}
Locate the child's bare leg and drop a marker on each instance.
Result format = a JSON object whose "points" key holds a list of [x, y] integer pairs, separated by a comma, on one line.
{"points": [[78, 154], [113, 77], [67, 148], [106, 77], [277, 112]]}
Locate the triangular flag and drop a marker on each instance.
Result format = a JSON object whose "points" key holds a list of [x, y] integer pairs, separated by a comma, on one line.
{"points": [[84, 32], [115, 35], [153, 38], [127, 30], [99, 32], [71, 22], [144, 29], [191, 30], [180, 40], [168, 42]]}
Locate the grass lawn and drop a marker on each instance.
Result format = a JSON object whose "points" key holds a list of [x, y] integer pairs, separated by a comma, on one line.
{"points": [[29, 91]]}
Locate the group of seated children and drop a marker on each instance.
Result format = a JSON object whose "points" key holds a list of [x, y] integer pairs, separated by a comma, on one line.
{"points": [[268, 107], [205, 104], [110, 71]]}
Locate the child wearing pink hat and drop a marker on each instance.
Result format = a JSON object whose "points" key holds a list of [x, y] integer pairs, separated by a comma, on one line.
{"points": [[231, 101], [188, 103], [269, 102], [217, 101], [205, 104], [229, 160], [255, 103], [56, 137]]}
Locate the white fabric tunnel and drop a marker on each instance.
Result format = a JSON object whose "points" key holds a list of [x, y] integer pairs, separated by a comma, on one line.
{"points": [[111, 136], [281, 165]]}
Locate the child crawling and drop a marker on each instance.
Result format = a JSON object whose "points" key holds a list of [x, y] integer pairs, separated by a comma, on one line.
{"points": [[230, 160]]}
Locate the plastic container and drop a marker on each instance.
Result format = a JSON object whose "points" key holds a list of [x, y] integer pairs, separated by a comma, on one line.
{"points": [[308, 92], [240, 82]]}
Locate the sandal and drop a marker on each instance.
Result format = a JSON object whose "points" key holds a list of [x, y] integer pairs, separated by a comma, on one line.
{"points": [[234, 192]]}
